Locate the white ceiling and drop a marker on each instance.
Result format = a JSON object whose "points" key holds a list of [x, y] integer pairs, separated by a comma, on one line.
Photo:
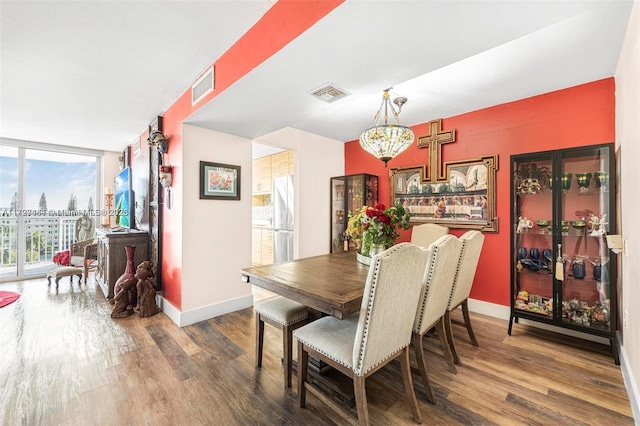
{"points": [[94, 74]]}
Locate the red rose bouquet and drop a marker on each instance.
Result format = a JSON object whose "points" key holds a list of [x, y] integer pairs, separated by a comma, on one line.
{"points": [[377, 225]]}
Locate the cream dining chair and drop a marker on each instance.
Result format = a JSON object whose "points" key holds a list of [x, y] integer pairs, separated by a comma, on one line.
{"points": [[442, 263], [425, 234], [472, 242], [362, 344]]}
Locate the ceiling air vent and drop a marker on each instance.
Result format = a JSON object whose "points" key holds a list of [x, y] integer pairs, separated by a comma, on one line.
{"points": [[329, 93], [202, 87]]}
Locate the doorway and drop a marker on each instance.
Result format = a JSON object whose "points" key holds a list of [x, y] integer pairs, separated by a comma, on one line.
{"points": [[272, 207]]}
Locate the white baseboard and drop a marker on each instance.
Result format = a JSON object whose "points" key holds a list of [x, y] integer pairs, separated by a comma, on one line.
{"points": [[504, 312], [184, 318], [630, 384], [490, 309]]}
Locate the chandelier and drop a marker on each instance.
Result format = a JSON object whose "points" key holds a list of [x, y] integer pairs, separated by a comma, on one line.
{"points": [[387, 140]]}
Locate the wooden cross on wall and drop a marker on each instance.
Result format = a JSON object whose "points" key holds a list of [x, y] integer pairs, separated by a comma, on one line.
{"points": [[434, 141]]}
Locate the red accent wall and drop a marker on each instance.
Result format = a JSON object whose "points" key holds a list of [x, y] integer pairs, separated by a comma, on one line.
{"points": [[282, 23], [577, 116]]}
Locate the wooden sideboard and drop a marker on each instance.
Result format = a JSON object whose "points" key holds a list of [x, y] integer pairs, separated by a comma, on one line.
{"points": [[112, 259]]}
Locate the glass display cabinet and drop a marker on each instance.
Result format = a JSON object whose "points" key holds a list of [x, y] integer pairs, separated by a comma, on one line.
{"points": [[349, 193], [562, 271]]}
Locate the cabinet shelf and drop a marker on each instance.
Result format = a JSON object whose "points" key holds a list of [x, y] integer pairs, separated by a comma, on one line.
{"points": [[586, 304], [349, 193], [537, 310]]}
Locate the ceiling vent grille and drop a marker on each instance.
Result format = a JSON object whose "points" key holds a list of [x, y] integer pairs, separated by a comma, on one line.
{"points": [[202, 87], [329, 93]]}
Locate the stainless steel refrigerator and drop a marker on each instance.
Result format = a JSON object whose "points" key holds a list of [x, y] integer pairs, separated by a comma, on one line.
{"points": [[283, 218]]}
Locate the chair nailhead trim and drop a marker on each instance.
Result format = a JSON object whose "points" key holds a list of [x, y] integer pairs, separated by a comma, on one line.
{"points": [[455, 278], [423, 302], [368, 314], [293, 321]]}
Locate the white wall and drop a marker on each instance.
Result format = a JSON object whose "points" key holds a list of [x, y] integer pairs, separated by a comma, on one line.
{"points": [[216, 234], [316, 160], [628, 145]]}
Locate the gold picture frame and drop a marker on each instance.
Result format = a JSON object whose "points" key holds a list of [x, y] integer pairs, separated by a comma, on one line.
{"points": [[466, 200]]}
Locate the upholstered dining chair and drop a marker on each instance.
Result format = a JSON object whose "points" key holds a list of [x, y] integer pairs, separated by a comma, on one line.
{"points": [[286, 315], [423, 235], [443, 259], [472, 242], [362, 344]]}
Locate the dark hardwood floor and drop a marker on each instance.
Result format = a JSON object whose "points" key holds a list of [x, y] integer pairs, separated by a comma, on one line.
{"points": [[64, 361]]}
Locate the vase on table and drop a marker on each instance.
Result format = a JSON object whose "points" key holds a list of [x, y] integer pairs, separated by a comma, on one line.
{"points": [[369, 248], [125, 295], [376, 249]]}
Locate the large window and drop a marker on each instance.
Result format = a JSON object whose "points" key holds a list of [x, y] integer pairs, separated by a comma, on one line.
{"points": [[42, 195], [8, 201]]}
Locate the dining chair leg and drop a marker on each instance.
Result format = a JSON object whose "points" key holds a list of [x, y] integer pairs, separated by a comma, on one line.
{"points": [[417, 346], [303, 366], [446, 349], [287, 350], [405, 368], [259, 340], [449, 332], [361, 400], [467, 322]]}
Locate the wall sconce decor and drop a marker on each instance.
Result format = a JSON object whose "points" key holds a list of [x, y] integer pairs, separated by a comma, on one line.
{"points": [[165, 176], [159, 141], [387, 140]]}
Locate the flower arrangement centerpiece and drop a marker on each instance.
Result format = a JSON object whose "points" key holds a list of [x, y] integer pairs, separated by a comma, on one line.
{"points": [[377, 226]]}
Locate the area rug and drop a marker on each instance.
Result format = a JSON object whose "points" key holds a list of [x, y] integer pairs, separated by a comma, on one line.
{"points": [[7, 297]]}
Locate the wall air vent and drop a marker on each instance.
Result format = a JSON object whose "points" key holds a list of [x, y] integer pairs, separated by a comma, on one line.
{"points": [[329, 93], [203, 86]]}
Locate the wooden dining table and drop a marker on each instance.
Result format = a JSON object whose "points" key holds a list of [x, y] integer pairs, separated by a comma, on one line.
{"points": [[331, 283]]}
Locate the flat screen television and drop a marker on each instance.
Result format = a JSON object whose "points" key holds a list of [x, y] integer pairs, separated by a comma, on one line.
{"points": [[124, 200]]}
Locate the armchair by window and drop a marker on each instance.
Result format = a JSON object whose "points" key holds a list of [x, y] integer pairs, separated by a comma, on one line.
{"points": [[84, 252]]}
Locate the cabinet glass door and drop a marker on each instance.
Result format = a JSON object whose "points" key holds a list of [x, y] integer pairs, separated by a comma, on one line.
{"points": [[348, 194], [585, 215], [338, 214], [533, 235]]}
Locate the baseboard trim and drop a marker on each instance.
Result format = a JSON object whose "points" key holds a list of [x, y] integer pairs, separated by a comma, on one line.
{"points": [[490, 309], [504, 312], [184, 318], [630, 384]]}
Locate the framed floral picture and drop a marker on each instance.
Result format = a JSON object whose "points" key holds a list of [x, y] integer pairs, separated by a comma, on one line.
{"points": [[466, 200], [219, 181]]}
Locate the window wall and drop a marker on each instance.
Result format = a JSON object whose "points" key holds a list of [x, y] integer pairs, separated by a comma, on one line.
{"points": [[44, 190]]}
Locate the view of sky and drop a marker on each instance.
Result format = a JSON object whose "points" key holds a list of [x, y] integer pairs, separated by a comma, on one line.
{"points": [[57, 175]]}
